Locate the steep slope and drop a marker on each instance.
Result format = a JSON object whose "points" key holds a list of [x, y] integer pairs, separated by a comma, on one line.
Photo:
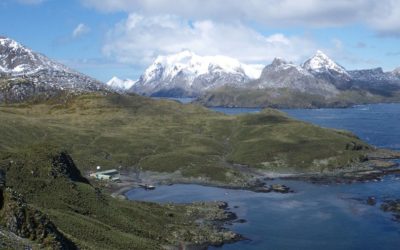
{"points": [[17, 60], [322, 67], [187, 74], [48, 207], [396, 72], [376, 81], [319, 82], [25, 74], [283, 75]]}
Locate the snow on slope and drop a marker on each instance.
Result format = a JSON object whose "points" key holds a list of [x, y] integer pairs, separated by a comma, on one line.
{"points": [[16, 60], [28, 74], [396, 72], [119, 84], [321, 63], [192, 65]]}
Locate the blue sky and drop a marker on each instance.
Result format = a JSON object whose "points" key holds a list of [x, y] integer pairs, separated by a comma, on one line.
{"points": [[122, 37]]}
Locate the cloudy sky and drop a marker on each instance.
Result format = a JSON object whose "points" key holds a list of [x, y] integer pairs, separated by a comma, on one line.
{"points": [[104, 38]]}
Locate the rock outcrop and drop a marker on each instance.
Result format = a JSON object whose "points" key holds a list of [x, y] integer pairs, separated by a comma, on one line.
{"points": [[64, 166], [27, 222]]}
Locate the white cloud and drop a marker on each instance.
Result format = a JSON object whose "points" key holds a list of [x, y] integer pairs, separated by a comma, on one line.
{"points": [[139, 39], [383, 16], [80, 30]]}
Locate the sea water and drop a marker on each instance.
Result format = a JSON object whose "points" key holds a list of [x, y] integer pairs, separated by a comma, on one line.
{"points": [[334, 216]]}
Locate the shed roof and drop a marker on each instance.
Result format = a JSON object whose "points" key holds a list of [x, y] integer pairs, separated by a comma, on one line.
{"points": [[107, 172]]}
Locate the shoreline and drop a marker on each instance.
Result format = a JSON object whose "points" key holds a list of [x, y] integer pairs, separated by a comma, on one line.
{"points": [[380, 164]]}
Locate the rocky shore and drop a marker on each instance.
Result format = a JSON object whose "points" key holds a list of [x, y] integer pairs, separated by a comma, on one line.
{"points": [[392, 206], [374, 167]]}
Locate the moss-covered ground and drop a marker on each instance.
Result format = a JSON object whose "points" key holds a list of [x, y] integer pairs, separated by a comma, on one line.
{"points": [[164, 136]]}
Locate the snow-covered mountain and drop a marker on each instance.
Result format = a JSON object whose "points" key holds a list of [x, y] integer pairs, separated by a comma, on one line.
{"points": [[318, 82], [25, 74], [396, 72], [320, 62], [281, 74], [188, 74], [119, 84], [16, 59], [322, 67], [376, 75]]}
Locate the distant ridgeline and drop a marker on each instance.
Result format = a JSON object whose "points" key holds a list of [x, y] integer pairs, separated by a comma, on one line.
{"points": [[224, 81], [213, 80]]}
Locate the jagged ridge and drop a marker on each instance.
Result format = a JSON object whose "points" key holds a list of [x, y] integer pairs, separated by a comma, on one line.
{"points": [[25, 74], [188, 74]]}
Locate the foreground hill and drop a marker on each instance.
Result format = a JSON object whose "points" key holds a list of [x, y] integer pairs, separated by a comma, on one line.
{"points": [[47, 147], [166, 136]]}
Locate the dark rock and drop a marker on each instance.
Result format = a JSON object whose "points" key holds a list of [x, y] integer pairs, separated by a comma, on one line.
{"points": [[2, 179], [2, 187], [240, 221], [272, 188], [64, 166], [371, 201], [392, 206], [263, 189], [222, 204], [280, 188], [28, 222]]}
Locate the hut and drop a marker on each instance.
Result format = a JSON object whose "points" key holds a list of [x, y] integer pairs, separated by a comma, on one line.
{"points": [[110, 175]]}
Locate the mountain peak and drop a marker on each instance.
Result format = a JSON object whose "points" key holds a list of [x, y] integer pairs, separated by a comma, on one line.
{"points": [[191, 72], [278, 61], [320, 53], [320, 62], [39, 74], [12, 44], [16, 59], [176, 57], [192, 65]]}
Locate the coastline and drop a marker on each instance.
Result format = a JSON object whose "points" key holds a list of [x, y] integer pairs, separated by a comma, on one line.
{"points": [[380, 163]]}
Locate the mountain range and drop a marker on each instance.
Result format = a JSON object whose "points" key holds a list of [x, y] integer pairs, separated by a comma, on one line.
{"points": [[224, 81], [187, 74], [25, 74], [213, 80]]}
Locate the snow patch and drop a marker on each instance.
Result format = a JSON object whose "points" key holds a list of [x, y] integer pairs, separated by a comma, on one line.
{"points": [[320, 62], [119, 84], [194, 65]]}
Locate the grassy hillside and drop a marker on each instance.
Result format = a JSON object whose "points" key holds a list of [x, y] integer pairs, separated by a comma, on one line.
{"points": [[86, 216], [163, 136], [286, 98]]}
